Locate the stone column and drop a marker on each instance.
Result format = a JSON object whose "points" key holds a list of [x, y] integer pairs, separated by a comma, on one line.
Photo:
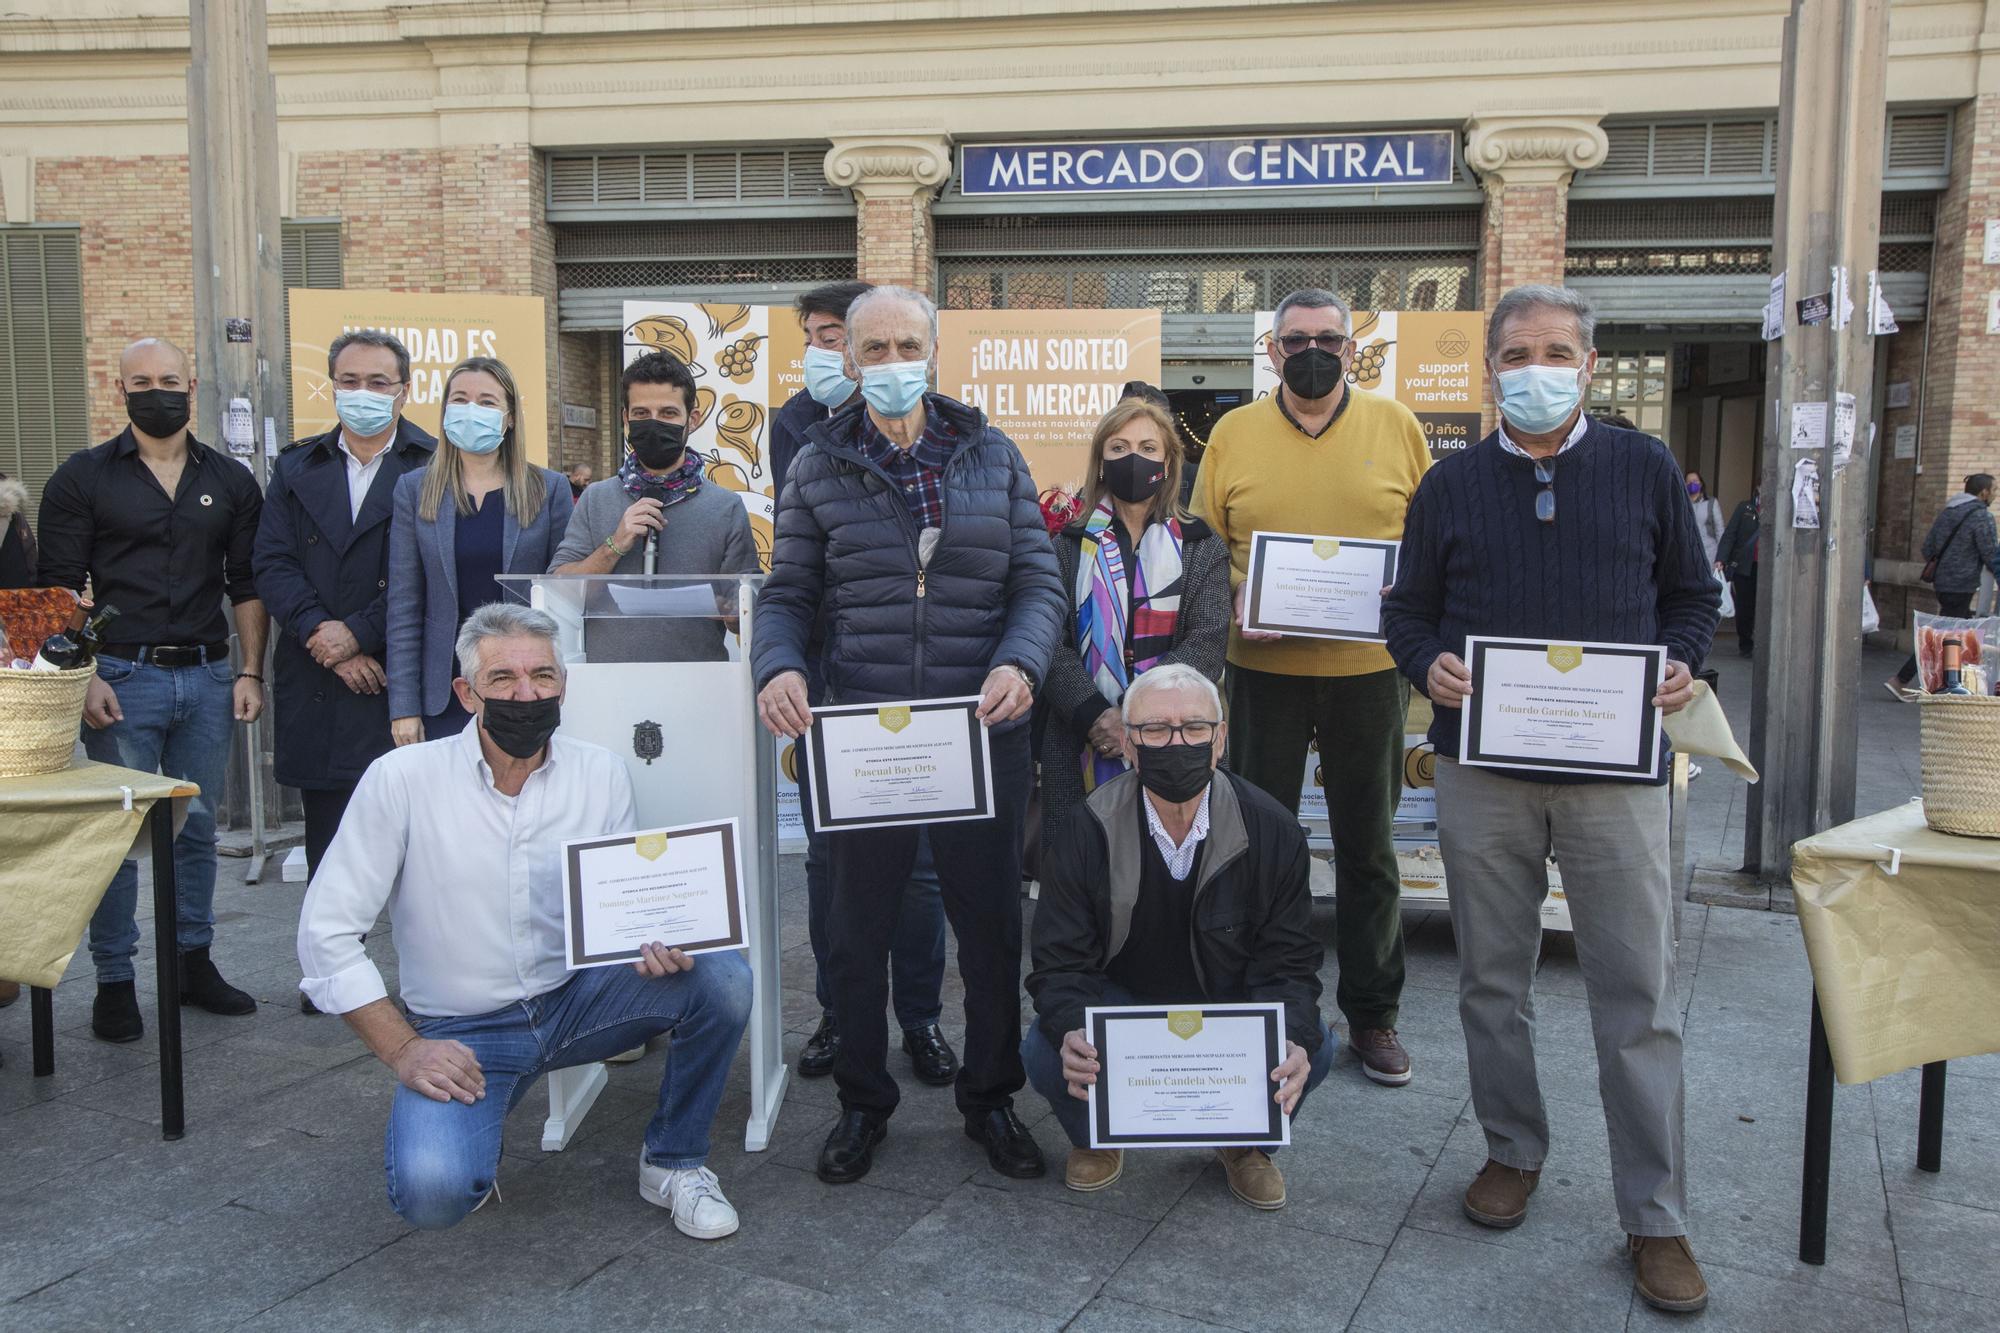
{"points": [[1526, 160], [894, 177]]}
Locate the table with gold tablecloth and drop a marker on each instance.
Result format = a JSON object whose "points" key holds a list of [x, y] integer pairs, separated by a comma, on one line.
{"points": [[62, 837], [1902, 927]]}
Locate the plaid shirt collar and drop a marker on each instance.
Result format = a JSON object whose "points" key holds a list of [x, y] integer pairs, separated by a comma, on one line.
{"points": [[932, 450]]}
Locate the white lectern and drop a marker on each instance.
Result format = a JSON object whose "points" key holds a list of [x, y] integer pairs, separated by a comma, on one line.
{"points": [[659, 675]]}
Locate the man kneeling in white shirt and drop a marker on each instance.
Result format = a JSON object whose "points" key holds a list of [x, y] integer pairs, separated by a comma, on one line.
{"points": [[462, 839]]}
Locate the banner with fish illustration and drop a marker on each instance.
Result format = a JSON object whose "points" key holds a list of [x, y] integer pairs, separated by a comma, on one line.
{"points": [[747, 360], [1430, 361], [440, 329]]}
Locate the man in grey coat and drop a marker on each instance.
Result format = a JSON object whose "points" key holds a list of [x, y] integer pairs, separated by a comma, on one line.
{"points": [[1963, 543], [657, 514]]}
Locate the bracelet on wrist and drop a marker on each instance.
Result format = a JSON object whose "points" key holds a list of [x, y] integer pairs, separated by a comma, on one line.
{"points": [[250, 675], [620, 551]]}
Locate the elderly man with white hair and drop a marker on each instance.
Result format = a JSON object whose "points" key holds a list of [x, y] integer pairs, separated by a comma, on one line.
{"points": [[461, 838], [1558, 527], [1116, 920], [910, 530]]}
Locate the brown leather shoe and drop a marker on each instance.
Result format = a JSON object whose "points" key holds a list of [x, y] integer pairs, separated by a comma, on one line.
{"points": [[1664, 1271], [1253, 1177], [1498, 1196], [1093, 1169], [1382, 1056]]}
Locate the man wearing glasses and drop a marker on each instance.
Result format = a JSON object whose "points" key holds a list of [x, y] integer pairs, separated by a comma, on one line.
{"points": [[1115, 921], [1560, 527], [1316, 457], [322, 567]]}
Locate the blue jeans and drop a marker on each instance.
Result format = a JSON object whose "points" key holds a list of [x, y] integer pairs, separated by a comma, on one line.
{"points": [[441, 1156], [1045, 1074], [178, 721], [916, 952]]}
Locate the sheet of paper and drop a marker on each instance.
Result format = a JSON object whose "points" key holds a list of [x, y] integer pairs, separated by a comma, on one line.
{"points": [[1563, 707], [1808, 425], [1842, 297], [686, 599], [681, 887], [1194, 1077], [1774, 310], [1843, 428], [1805, 494], [1318, 587], [1900, 394], [878, 765], [238, 430], [1881, 319], [1906, 442], [1991, 253]]}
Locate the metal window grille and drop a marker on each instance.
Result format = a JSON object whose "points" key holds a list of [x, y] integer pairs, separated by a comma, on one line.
{"points": [[793, 173], [1915, 144], [1688, 237], [310, 257], [44, 383], [704, 253]]}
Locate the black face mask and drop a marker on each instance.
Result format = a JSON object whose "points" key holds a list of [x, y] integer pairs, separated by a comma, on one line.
{"points": [[658, 445], [1175, 772], [521, 727], [1313, 373], [159, 413], [1134, 477]]}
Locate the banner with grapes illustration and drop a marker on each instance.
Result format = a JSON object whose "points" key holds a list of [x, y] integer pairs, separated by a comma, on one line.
{"points": [[1430, 361]]}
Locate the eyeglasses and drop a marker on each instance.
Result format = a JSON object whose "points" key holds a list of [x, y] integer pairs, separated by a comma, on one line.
{"points": [[1545, 502], [1155, 734], [374, 384], [1294, 343]]}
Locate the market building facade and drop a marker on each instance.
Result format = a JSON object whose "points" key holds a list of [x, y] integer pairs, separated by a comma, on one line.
{"points": [[1201, 158]]}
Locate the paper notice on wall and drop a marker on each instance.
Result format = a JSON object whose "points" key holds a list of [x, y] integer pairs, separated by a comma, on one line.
{"points": [[1805, 493], [1906, 442], [270, 437], [1992, 252], [1774, 310], [238, 428], [1843, 298], [1881, 319], [1843, 428], [1993, 312], [1899, 394], [1808, 425]]}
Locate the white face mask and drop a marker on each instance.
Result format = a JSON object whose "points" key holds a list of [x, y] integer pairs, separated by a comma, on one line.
{"points": [[1537, 399]]}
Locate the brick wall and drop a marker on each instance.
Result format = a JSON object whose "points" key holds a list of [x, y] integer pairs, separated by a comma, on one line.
{"points": [[582, 382], [1961, 415], [1523, 232], [138, 260], [893, 241]]}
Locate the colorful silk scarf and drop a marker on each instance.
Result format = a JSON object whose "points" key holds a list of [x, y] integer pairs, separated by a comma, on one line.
{"points": [[1116, 647]]}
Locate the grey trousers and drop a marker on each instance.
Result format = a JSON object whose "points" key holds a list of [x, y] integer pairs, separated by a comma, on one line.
{"points": [[1610, 840]]}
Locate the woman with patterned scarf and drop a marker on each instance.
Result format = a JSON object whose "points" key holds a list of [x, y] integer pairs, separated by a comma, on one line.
{"points": [[1148, 584]]}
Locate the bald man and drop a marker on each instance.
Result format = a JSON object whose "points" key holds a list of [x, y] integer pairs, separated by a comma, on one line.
{"points": [[161, 526]]}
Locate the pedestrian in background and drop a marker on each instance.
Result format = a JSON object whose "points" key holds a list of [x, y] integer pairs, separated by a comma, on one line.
{"points": [[1736, 560], [1707, 514], [1958, 549], [17, 539]]}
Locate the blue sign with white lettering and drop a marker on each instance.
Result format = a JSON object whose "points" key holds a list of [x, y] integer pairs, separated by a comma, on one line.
{"points": [[1316, 161]]}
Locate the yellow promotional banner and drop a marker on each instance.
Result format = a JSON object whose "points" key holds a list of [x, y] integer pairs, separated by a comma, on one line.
{"points": [[1045, 377], [441, 329], [1430, 361], [747, 360]]}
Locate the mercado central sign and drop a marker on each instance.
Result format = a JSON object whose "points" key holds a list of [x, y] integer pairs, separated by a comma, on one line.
{"points": [[1318, 161]]}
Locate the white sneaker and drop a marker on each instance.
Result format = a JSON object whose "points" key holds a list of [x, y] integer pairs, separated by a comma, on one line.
{"points": [[694, 1196]]}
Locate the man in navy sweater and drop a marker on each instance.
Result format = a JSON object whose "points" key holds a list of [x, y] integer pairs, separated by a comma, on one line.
{"points": [[1560, 527]]}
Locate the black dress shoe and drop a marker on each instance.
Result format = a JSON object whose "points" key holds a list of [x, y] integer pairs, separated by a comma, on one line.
{"points": [[935, 1061], [203, 987], [850, 1149], [115, 1015], [1010, 1148], [816, 1060]]}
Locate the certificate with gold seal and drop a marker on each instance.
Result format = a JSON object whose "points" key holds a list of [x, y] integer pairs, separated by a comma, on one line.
{"points": [[927, 761], [1563, 707], [1317, 587], [680, 887], [1193, 1077]]}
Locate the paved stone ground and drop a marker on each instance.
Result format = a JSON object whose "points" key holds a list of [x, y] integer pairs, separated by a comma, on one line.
{"points": [[270, 1214]]}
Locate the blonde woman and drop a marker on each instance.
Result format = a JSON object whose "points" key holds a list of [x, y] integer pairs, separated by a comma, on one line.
{"points": [[478, 511], [1147, 585]]}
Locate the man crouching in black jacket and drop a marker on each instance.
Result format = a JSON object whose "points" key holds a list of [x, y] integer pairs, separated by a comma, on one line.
{"points": [[1174, 884]]}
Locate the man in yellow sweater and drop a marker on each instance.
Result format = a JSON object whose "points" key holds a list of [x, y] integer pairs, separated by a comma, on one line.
{"points": [[1315, 457]]}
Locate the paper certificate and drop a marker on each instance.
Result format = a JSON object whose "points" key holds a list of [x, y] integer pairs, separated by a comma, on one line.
{"points": [[1187, 1078], [1318, 587], [680, 887], [878, 765], [1563, 707]]}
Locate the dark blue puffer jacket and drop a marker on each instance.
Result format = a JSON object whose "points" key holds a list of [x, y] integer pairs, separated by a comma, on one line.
{"points": [[845, 537]]}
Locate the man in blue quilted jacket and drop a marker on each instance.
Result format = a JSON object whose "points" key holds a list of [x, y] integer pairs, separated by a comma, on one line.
{"points": [[913, 526]]}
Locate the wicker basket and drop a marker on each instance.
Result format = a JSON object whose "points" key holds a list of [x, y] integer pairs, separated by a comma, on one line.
{"points": [[1960, 746], [39, 715]]}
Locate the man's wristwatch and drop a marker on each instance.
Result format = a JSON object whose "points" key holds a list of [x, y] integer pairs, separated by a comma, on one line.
{"points": [[1027, 677]]}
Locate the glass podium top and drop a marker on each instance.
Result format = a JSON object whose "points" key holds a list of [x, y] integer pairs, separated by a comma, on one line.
{"points": [[641, 617]]}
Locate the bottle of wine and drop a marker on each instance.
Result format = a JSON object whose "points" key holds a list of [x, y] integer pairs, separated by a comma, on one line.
{"points": [[77, 646], [1954, 651]]}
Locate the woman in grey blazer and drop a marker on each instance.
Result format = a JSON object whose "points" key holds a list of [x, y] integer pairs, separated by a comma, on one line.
{"points": [[478, 511], [1146, 585]]}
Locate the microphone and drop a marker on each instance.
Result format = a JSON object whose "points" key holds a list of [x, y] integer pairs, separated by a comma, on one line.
{"points": [[652, 553]]}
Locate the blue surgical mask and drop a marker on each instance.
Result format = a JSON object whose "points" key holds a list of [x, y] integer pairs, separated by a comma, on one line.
{"points": [[473, 428], [364, 412], [826, 377], [1537, 399], [895, 389]]}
